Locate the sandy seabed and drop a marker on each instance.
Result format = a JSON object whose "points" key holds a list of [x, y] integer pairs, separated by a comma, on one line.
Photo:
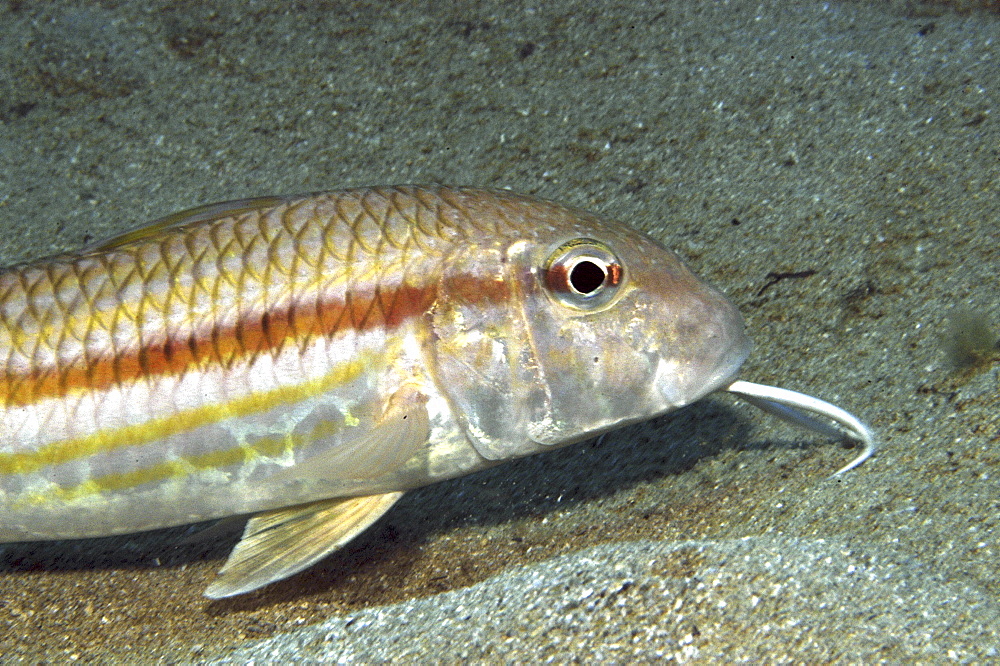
{"points": [[853, 145]]}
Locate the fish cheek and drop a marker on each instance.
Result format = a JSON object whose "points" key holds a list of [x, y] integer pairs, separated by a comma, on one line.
{"points": [[595, 377]]}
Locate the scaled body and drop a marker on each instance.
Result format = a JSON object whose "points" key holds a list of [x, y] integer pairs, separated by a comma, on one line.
{"points": [[292, 352]]}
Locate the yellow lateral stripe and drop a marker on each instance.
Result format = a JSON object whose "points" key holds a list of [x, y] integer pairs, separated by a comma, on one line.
{"points": [[108, 440], [185, 466], [178, 468]]}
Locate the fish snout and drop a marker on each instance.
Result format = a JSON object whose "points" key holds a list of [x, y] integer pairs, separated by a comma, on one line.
{"points": [[706, 346]]}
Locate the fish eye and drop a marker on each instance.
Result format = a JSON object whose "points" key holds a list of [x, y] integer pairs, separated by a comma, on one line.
{"points": [[583, 273]]}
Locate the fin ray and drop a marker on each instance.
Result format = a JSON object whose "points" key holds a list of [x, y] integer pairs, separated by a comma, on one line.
{"points": [[277, 544], [282, 542], [215, 211]]}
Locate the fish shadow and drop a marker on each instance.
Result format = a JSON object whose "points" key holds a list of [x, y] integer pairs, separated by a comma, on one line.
{"points": [[512, 491]]}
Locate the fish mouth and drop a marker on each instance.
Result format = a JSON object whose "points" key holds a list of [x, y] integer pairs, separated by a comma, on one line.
{"points": [[707, 362]]}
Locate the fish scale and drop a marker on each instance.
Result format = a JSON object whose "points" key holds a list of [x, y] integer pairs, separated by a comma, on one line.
{"points": [[308, 359]]}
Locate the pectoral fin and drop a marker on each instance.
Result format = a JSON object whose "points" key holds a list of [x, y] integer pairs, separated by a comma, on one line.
{"points": [[370, 450], [279, 543]]}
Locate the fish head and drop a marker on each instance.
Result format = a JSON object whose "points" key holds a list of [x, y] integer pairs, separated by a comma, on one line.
{"points": [[621, 331], [594, 325]]}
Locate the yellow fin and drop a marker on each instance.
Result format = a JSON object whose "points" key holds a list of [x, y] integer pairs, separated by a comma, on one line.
{"points": [[279, 543], [215, 211]]}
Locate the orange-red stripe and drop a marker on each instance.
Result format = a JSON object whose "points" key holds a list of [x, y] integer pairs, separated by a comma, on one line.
{"points": [[247, 337]]}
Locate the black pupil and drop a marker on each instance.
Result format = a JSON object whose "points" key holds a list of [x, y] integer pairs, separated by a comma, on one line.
{"points": [[586, 277]]}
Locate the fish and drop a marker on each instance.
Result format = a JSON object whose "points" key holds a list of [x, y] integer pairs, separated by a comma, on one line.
{"points": [[306, 360]]}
